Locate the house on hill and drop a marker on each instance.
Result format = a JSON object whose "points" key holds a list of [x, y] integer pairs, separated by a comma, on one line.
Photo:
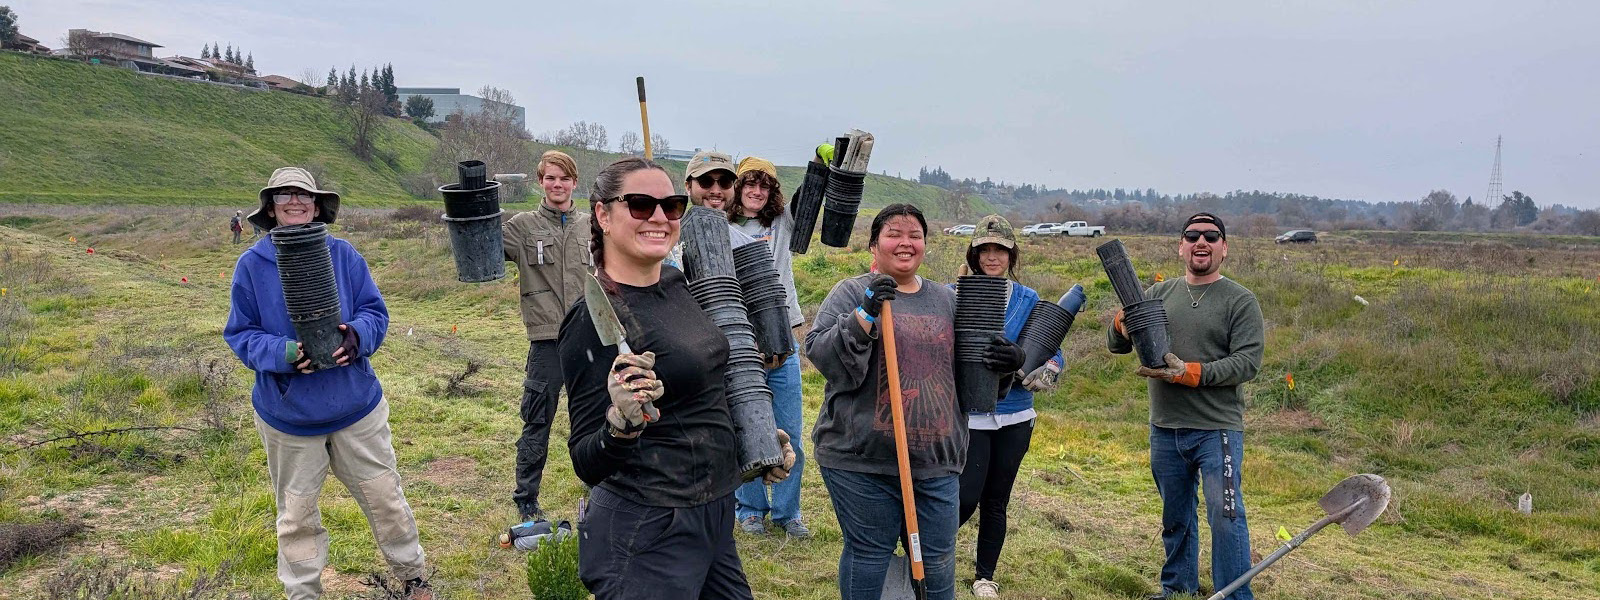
{"points": [[23, 43], [447, 101], [279, 82]]}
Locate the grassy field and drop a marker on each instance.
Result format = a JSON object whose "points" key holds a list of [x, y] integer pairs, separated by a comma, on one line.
{"points": [[78, 134], [1469, 378]]}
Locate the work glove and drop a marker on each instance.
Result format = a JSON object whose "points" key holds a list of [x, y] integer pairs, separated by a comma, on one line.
{"points": [[301, 362], [1043, 378], [781, 472], [1176, 371], [879, 291], [1116, 323], [632, 386], [348, 347], [1002, 356]]}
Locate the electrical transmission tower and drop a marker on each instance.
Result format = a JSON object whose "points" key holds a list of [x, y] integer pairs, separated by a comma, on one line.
{"points": [[1493, 199]]}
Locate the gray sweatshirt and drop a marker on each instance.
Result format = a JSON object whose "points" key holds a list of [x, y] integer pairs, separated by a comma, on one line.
{"points": [[854, 431]]}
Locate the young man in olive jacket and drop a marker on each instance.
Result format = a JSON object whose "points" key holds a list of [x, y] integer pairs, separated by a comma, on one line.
{"points": [[550, 246]]}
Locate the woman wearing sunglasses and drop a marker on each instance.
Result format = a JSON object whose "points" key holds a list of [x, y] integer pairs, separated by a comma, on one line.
{"points": [[659, 521], [757, 211], [853, 438]]}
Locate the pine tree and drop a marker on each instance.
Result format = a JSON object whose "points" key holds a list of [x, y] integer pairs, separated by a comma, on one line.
{"points": [[364, 81], [205, 52], [228, 54], [333, 81], [250, 63]]}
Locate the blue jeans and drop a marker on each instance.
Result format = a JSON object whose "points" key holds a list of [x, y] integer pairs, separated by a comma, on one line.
{"points": [[786, 411], [1180, 460], [870, 517]]}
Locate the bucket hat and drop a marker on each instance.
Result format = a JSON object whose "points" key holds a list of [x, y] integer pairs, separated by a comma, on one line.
{"points": [[298, 178]]}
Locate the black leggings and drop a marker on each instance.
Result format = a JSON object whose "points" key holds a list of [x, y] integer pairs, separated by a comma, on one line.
{"points": [[993, 459]]}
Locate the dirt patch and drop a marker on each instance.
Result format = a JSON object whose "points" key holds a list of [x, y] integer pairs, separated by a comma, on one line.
{"points": [[453, 472]]}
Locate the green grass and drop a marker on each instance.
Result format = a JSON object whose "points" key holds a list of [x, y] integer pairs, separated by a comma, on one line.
{"points": [[1465, 383]]}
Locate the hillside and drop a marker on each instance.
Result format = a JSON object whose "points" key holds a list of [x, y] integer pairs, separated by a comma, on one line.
{"points": [[74, 133]]}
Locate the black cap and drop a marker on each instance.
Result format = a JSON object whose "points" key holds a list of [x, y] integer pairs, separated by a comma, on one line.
{"points": [[1205, 217]]}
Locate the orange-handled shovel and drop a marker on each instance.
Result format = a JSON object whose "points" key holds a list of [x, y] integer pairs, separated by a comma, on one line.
{"points": [[897, 413]]}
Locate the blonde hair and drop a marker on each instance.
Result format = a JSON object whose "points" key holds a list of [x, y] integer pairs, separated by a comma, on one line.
{"points": [[559, 159]]}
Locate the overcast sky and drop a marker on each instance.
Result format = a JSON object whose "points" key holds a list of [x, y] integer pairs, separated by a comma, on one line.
{"points": [[1373, 100]]}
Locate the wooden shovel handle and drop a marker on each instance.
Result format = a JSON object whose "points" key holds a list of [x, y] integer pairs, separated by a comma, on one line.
{"points": [[897, 412]]}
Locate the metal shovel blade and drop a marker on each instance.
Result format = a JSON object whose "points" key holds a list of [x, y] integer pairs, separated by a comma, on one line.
{"points": [[1366, 486]]}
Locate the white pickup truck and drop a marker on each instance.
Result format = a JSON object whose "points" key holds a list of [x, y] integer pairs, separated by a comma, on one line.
{"points": [[1082, 228]]}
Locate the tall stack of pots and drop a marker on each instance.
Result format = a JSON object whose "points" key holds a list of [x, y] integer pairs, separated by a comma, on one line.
{"points": [[806, 204], [764, 298], [472, 214], [841, 206], [305, 268], [1144, 320], [980, 316], [708, 262]]}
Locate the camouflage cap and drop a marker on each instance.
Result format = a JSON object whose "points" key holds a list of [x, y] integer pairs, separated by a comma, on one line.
{"points": [[994, 229]]}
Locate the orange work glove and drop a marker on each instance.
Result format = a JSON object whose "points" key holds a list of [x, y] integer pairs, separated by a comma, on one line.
{"points": [[1176, 371], [1116, 323]]}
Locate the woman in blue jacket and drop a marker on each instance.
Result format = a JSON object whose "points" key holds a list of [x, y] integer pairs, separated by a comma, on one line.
{"points": [[312, 421], [999, 439]]}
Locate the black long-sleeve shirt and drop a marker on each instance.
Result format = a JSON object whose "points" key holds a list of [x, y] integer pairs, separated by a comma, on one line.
{"points": [[691, 455]]}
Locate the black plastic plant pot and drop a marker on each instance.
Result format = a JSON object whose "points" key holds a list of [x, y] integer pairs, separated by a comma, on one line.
{"points": [[845, 187], [1042, 334], [1114, 259], [806, 204], [472, 174], [837, 226], [478, 247], [758, 437], [1146, 324], [461, 202], [773, 336], [977, 388], [305, 273], [319, 338], [706, 250]]}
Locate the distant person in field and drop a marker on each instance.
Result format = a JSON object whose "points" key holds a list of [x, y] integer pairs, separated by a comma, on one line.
{"points": [[758, 211], [236, 225], [853, 439], [550, 246], [659, 520], [1001, 438], [313, 421], [1197, 409]]}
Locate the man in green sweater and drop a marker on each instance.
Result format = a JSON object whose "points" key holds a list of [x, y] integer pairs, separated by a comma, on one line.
{"points": [[1197, 409]]}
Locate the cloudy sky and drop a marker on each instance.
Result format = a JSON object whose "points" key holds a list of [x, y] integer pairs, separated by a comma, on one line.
{"points": [[1374, 100]]}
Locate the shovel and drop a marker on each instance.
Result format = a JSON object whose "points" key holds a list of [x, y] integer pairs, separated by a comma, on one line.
{"points": [[1354, 504]]}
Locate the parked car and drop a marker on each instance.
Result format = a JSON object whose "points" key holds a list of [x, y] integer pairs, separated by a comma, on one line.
{"points": [[1071, 228], [960, 229], [1297, 236], [1041, 229]]}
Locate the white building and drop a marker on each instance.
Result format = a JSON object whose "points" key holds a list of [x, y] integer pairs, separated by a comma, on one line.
{"points": [[449, 100]]}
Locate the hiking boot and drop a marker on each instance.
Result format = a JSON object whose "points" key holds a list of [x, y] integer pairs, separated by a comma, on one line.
{"points": [[418, 589], [753, 525], [797, 530], [529, 511], [984, 588]]}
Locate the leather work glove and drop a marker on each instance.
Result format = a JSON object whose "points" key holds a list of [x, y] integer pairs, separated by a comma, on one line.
{"points": [[1003, 356], [1176, 371], [301, 362], [1116, 323], [631, 386], [348, 347], [1043, 378], [879, 291], [781, 472]]}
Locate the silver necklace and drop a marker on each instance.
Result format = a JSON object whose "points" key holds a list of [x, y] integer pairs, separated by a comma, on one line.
{"points": [[1193, 301]]}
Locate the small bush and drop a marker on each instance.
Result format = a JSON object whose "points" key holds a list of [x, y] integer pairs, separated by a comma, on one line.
{"points": [[18, 540], [553, 571]]}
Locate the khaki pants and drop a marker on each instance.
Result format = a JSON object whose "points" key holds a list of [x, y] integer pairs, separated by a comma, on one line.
{"points": [[362, 457]]}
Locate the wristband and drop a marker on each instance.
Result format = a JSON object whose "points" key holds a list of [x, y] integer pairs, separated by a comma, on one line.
{"points": [[862, 312]]}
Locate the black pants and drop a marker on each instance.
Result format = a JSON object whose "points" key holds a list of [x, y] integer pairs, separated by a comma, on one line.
{"points": [[993, 459], [627, 550], [541, 391]]}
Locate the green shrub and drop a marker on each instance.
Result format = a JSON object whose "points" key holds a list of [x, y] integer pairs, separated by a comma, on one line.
{"points": [[553, 571]]}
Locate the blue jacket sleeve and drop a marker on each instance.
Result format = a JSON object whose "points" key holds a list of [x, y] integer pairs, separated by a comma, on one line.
{"points": [[261, 351], [369, 316]]}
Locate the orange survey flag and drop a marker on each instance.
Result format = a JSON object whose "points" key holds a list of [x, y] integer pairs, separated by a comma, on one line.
{"points": [[1289, 377]]}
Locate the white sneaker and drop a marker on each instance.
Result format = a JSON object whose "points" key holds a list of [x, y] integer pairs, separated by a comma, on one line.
{"points": [[984, 588]]}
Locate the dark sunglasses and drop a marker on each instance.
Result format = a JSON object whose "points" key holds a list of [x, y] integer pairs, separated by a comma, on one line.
{"points": [[643, 206], [1193, 235], [721, 181]]}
